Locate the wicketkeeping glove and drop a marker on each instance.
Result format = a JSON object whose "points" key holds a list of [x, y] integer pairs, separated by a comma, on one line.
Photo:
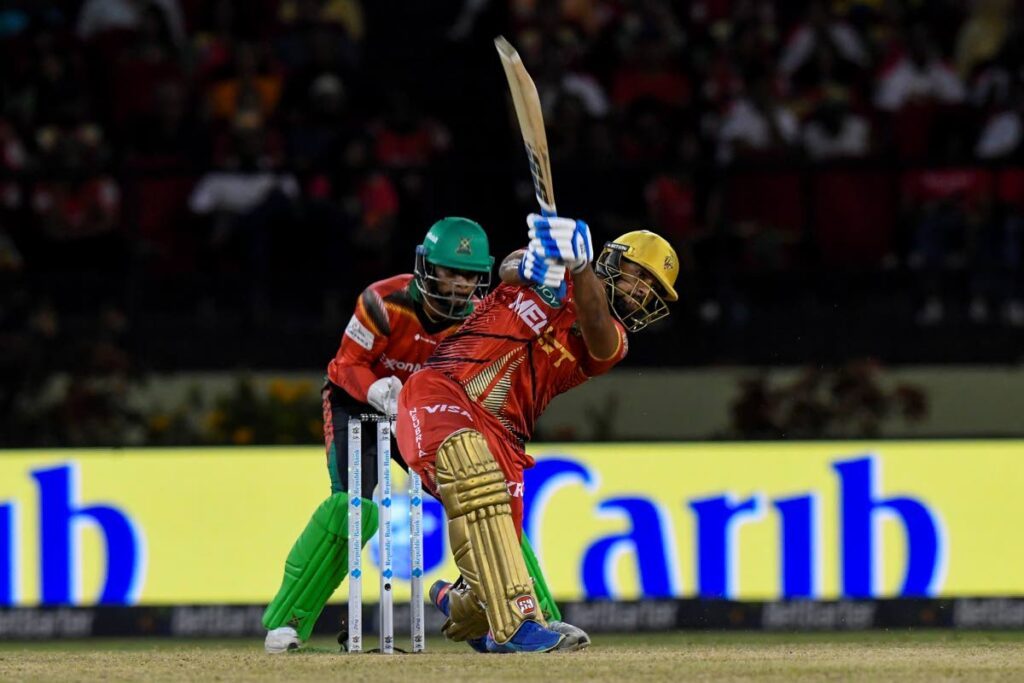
{"points": [[383, 395], [563, 239]]}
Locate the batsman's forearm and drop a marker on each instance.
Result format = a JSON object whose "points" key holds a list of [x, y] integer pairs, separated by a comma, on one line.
{"points": [[595, 318], [508, 271]]}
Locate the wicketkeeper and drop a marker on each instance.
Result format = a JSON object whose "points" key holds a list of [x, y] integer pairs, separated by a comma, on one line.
{"points": [[397, 324], [464, 420]]}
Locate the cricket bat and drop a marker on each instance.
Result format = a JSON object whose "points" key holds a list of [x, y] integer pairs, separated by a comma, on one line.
{"points": [[531, 123]]}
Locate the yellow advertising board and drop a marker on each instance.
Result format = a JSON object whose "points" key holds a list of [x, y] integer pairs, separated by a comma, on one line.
{"points": [[743, 521]]}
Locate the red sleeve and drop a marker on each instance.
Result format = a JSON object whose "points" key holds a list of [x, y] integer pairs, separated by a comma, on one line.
{"points": [[592, 367], [363, 342]]}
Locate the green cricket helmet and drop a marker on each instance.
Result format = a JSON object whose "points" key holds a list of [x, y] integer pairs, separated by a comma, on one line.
{"points": [[459, 245]]}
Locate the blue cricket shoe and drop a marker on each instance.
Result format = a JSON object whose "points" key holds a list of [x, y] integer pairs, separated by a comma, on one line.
{"points": [[531, 637]]}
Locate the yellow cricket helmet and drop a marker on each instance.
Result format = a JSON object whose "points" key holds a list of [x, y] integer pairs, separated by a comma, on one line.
{"points": [[633, 302]]}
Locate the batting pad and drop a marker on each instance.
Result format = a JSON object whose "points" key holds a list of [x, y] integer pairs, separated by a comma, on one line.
{"points": [[467, 618], [316, 565], [473, 490]]}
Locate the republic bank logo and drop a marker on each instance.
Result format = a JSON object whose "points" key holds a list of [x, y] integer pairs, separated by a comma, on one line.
{"points": [[61, 519]]}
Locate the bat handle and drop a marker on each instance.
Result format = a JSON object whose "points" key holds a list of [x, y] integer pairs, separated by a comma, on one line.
{"points": [[560, 292]]}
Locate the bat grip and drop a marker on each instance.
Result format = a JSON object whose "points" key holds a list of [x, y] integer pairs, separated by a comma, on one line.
{"points": [[547, 213]]}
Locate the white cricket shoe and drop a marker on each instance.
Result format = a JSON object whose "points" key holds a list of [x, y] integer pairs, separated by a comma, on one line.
{"points": [[575, 637], [281, 639]]}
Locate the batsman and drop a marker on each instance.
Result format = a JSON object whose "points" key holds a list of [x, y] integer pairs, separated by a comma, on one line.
{"points": [[465, 418], [397, 324]]}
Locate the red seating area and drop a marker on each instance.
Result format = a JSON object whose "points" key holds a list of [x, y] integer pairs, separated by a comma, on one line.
{"points": [[850, 214]]}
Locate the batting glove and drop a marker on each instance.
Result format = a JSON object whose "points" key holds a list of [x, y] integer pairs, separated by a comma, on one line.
{"points": [[562, 239], [535, 268]]}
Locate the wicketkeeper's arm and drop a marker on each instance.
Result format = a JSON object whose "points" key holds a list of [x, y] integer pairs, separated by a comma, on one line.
{"points": [[356, 380], [365, 338]]}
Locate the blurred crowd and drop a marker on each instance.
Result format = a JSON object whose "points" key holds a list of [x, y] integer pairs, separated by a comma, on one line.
{"points": [[851, 401], [777, 135], [205, 183]]}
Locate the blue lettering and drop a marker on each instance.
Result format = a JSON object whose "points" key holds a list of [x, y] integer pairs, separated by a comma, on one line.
{"points": [[646, 539], [7, 559], [542, 482], [861, 534], [58, 513], [434, 527], [799, 550], [717, 546]]}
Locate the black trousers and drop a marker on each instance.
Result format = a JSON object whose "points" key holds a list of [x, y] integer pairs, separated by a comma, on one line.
{"points": [[339, 406]]}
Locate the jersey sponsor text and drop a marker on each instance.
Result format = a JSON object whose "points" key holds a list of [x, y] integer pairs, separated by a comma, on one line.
{"points": [[359, 333], [531, 314]]}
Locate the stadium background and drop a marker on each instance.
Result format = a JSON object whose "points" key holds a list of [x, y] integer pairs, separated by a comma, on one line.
{"points": [[191, 194]]}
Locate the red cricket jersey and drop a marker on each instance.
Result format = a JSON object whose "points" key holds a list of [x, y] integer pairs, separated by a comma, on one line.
{"points": [[518, 351], [387, 335]]}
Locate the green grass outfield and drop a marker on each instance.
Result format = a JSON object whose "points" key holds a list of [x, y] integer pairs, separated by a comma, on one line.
{"points": [[868, 656]]}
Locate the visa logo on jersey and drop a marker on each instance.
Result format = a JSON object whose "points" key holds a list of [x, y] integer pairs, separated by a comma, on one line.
{"points": [[446, 408]]}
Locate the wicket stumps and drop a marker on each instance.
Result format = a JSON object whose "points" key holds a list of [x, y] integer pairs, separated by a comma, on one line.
{"points": [[384, 539]]}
